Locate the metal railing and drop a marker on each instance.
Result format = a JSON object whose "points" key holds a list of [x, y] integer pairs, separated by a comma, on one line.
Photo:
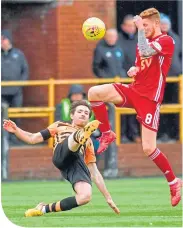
{"points": [[48, 111]]}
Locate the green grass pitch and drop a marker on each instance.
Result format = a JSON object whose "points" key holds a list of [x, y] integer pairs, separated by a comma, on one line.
{"points": [[143, 203]]}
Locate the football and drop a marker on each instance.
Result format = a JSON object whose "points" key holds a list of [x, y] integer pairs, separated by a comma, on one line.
{"points": [[93, 29]]}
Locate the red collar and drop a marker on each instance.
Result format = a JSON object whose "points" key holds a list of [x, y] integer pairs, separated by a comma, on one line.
{"points": [[162, 34]]}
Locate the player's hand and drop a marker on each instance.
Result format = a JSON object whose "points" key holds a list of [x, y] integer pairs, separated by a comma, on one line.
{"points": [[132, 72], [9, 126], [113, 206], [138, 22]]}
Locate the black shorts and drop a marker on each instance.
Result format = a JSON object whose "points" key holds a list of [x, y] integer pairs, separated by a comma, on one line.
{"points": [[71, 164]]}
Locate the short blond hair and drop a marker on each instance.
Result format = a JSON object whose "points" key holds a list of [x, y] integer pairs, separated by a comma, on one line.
{"points": [[150, 13]]}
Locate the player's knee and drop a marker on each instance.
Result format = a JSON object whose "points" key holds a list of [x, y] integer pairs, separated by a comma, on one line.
{"points": [[93, 93], [86, 197], [148, 149]]}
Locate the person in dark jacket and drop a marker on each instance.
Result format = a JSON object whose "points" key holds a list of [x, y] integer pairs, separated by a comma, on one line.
{"points": [[108, 57], [14, 67], [128, 42], [176, 65], [171, 134]]}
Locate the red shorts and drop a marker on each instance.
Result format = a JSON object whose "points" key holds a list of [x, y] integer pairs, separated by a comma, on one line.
{"points": [[148, 111]]}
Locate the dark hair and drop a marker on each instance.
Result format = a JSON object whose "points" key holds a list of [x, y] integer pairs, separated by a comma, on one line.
{"points": [[75, 104], [127, 17]]}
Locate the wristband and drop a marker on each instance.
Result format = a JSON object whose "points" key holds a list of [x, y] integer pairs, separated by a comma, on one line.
{"points": [[45, 134]]}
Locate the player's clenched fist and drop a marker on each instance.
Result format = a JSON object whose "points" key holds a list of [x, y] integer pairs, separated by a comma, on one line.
{"points": [[138, 22], [132, 72], [9, 126]]}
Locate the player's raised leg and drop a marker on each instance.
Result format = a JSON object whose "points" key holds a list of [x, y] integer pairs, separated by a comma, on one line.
{"points": [[97, 95], [82, 135], [151, 150]]}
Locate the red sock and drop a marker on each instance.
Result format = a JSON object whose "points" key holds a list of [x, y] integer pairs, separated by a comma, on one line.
{"points": [[162, 162], [101, 114]]}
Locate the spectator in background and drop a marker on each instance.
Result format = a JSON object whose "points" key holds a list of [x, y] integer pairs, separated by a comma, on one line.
{"points": [[76, 93], [62, 112], [14, 67], [128, 43], [171, 92], [108, 58], [108, 62], [176, 66]]}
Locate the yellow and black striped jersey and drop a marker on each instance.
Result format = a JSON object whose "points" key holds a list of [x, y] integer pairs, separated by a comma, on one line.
{"points": [[63, 130]]}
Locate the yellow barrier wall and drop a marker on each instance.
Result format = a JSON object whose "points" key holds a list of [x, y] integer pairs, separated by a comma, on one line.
{"points": [[30, 112]]}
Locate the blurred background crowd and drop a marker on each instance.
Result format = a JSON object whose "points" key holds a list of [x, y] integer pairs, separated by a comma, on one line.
{"points": [[109, 58]]}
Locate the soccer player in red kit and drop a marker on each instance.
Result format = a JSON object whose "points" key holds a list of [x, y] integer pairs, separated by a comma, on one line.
{"points": [[145, 94]]}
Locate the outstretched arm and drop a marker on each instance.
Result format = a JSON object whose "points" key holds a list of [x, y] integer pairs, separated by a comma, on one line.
{"points": [[30, 138], [99, 181]]}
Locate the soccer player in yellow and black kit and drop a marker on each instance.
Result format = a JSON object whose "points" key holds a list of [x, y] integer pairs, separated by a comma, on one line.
{"points": [[73, 155]]}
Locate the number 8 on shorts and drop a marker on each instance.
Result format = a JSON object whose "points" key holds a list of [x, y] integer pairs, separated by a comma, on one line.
{"points": [[148, 118]]}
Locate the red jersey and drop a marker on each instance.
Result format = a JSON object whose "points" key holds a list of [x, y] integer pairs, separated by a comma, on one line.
{"points": [[151, 79]]}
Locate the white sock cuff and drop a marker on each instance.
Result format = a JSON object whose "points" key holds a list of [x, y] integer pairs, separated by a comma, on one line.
{"points": [[44, 210], [96, 103], [72, 145], [172, 182], [155, 154], [106, 131]]}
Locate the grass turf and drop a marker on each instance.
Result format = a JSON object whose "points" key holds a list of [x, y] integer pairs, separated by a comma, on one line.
{"points": [[143, 203]]}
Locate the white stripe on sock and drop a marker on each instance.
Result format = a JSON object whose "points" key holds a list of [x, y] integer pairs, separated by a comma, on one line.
{"points": [[93, 104], [155, 154], [106, 131], [172, 182]]}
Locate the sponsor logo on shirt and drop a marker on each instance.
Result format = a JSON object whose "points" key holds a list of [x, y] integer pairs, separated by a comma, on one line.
{"points": [[15, 55], [108, 54]]}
